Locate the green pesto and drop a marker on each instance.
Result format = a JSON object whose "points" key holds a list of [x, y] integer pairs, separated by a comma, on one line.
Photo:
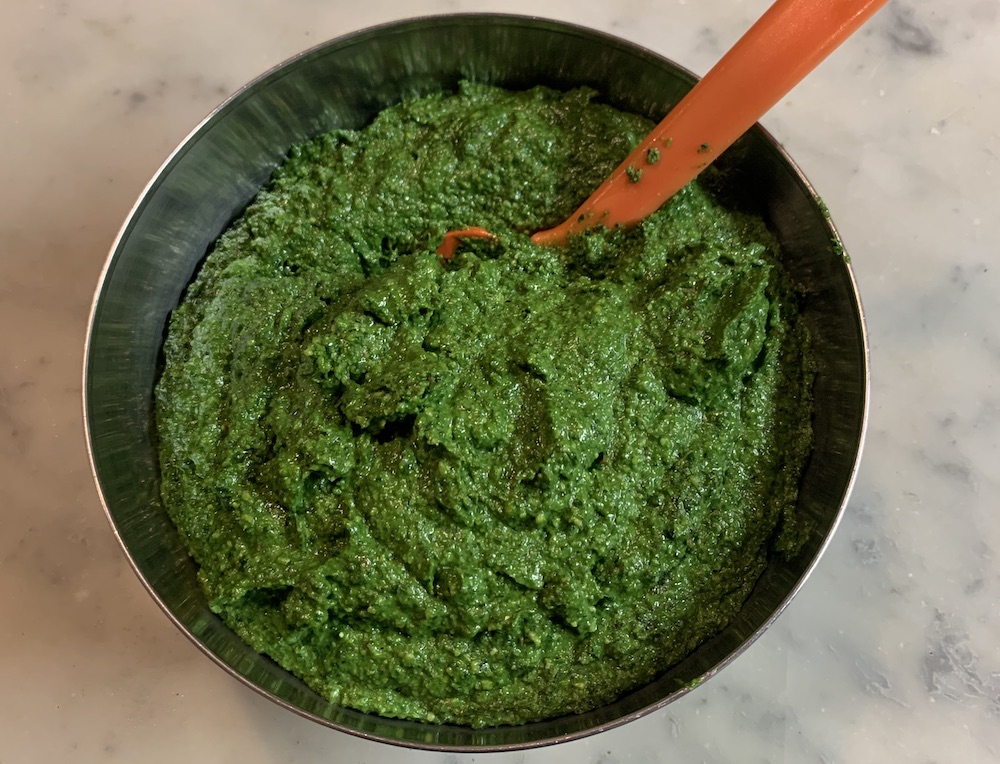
{"points": [[500, 488]]}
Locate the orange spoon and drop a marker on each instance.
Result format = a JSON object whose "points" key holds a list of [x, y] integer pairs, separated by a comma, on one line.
{"points": [[786, 43]]}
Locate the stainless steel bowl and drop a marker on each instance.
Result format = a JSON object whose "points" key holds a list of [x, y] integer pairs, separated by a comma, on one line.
{"points": [[215, 172]]}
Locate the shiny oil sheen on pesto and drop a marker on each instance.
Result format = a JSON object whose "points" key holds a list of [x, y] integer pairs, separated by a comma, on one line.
{"points": [[504, 487]]}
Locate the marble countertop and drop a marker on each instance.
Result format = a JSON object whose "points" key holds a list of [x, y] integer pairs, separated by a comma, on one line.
{"points": [[889, 654]]}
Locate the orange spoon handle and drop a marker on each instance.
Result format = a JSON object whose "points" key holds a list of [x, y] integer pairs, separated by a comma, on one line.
{"points": [[785, 44]]}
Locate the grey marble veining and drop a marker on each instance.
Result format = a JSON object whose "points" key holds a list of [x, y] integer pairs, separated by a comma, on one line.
{"points": [[889, 654]]}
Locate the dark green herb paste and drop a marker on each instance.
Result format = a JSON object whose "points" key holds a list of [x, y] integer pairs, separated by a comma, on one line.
{"points": [[504, 487]]}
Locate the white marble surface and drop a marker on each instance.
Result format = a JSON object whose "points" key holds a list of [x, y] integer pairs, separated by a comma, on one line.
{"points": [[890, 653]]}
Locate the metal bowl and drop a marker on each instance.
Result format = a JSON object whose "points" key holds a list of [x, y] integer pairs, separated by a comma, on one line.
{"points": [[216, 171]]}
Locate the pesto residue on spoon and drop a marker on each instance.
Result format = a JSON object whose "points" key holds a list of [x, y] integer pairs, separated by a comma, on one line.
{"points": [[500, 488]]}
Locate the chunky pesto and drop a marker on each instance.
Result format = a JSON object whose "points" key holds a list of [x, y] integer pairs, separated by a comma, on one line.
{"points": [[499, 488]]}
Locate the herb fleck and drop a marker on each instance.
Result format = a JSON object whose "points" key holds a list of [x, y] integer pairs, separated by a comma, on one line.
{"points": [[703, 148], [653, 155], [634, 173], [838, 248]]}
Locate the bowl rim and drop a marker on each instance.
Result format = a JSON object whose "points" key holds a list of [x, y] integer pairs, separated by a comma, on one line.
{"points": [[346, 39]]}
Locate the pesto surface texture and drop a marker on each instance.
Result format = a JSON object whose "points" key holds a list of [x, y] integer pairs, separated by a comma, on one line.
{"points": [[498, 488]]}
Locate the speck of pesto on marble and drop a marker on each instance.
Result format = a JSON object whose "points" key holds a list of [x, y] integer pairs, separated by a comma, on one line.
{"points": [[500, 488]]}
